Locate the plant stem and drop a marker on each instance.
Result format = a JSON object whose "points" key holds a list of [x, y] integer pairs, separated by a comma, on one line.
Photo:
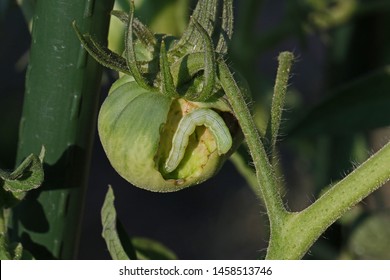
{"points": [[292, 234], [302, 229], [266, 177], [285, 62], [59, 113]]}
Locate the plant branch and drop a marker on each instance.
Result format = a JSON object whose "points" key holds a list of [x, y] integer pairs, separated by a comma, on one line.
{"points": [[266, 177], [302, 229], [292, 234], [285, 62]]}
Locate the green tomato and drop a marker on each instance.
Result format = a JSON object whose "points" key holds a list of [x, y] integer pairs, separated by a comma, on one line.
{"points": [[137, 128], [166, 123]]}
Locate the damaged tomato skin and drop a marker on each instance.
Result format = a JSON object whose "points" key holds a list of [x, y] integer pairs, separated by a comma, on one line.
{"points": [[131, 123]]}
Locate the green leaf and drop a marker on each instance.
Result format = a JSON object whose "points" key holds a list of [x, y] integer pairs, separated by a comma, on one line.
{"points": [[27, 176], [120, 246], [358, 106], [149, 249], [110, 232]]}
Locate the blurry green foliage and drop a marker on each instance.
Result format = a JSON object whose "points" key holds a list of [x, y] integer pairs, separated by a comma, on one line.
{"points": [[354, 97]]}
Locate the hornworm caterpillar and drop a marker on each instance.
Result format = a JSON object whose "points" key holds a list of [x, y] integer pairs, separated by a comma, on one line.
{"points": [[186, 127]]}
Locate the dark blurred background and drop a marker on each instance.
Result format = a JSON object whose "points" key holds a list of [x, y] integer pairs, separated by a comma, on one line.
{"points": [[336, 43]]}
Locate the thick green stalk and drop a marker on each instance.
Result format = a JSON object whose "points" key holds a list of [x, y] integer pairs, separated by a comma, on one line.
{"points": [[266, 177], [303, 228], [59, 112], [292, 234]]}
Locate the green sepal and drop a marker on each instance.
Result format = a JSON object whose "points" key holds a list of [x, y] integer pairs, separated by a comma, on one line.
{"points": [[183, 72], [167, 84], [130, 53], [209, 67], [102, 54], [225, 29], [141, 31]]}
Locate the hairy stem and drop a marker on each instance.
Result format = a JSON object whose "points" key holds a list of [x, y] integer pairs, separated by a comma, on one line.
{"points": [[266, 177], [285, 62], [292, 234], [303, 228]]}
